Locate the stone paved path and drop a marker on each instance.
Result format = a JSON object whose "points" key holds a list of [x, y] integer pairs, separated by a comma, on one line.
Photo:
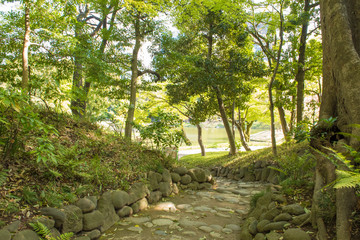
{"points": [[192, 215]]}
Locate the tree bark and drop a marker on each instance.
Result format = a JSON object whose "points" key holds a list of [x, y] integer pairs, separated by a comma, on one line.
{"points": [[25, 50], [241, 133], [225, 121], [340, 21], [134, 77], [200, 141], [284, 125], [300, 75]]}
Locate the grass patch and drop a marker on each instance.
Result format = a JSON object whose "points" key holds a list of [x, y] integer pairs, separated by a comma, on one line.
{"points": [[211, 159]]}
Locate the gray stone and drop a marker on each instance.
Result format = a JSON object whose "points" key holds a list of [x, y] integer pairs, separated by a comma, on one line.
{"points": [[13, 227], [205, 185], [166, 176], [106, 207], [159, 177], [86, 205], [155, 197], [160, 233], [93, 220], [273, 176], [125, 212], [143, 204], [198, 175], [271, 214], [296, 234], [5, 234], [294, 209], [138, 220], [138, 191], [256, 213], [208, 175], [135, 229], [216, 227], [264, 200], [54, 232], [245, 234], [26, 235], [257, 173], [193, 186], [258, 164], [249, 177], [175, 177], [227, 230], [165, 188], [185, 179], [261, 225], [181, 170], [94, 234], [162, 222], [119, 199], [49, 223], [275, 226], [153, 181], [189, 223], [273, 236], [298, 220], [233, 227], [82, 238], [283, 217], [73, 219], [264, 174], [56, 214], [252, 227], [215, 235], [260, 236], [94, 199]]}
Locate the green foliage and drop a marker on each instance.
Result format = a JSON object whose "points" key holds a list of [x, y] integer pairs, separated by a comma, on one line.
{"points": [[255, 198], [45, 233], [164, 130]]}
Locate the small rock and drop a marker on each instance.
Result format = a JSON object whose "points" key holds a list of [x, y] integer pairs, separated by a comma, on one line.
{"points": [[216, 227], [119, 199], [175, 177], [233, 227], [203, 209], [189, 223], [5, 234], [92, 220], [155, 197], [206, 229], [135, 229], [73, 219], [166, 206], [49, 223], [294, 209], [13, 227], [273, 236], [166, 176], [215, 235], [86, 205], [148, 224], [26, 235], [186, 179], [298, 220], [162, 222], [160, 233], [82, 238], [261, 225], [183, 206], [227, 230], [296, 234], [189, 233], [275, 226], [94, 234], [125, 212], [222, 215], [56, 214], [165, 188], [180, 170], [260, 236], [138, 220], [283, 217]]}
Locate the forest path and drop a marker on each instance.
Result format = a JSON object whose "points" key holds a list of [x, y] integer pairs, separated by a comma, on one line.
{"points": [[192, 215]]}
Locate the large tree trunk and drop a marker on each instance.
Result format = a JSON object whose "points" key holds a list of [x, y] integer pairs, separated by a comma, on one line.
{"points": [[225, 121], [200, 141], [284, 125], [25, 51], [134, 77], [300, 75], [340, 21]]}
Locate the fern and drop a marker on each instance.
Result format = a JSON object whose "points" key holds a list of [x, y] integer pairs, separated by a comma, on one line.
{"points": [[347, 179], [45, 233], [40, 229]]}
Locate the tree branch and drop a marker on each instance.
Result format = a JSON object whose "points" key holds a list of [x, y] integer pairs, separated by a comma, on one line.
{"points": [[151, 72]]}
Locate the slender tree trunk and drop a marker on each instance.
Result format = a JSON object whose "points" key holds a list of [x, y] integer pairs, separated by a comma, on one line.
{"points": [[233, 119], [284, 126], [241, 133], [134, 77], [76, 106], [200, 141], [225, 121], [25, 51], [273, 139], [248, 130], [300, 75]]}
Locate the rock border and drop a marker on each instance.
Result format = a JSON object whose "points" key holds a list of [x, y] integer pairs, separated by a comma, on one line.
{"points": [[90, 216]]}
